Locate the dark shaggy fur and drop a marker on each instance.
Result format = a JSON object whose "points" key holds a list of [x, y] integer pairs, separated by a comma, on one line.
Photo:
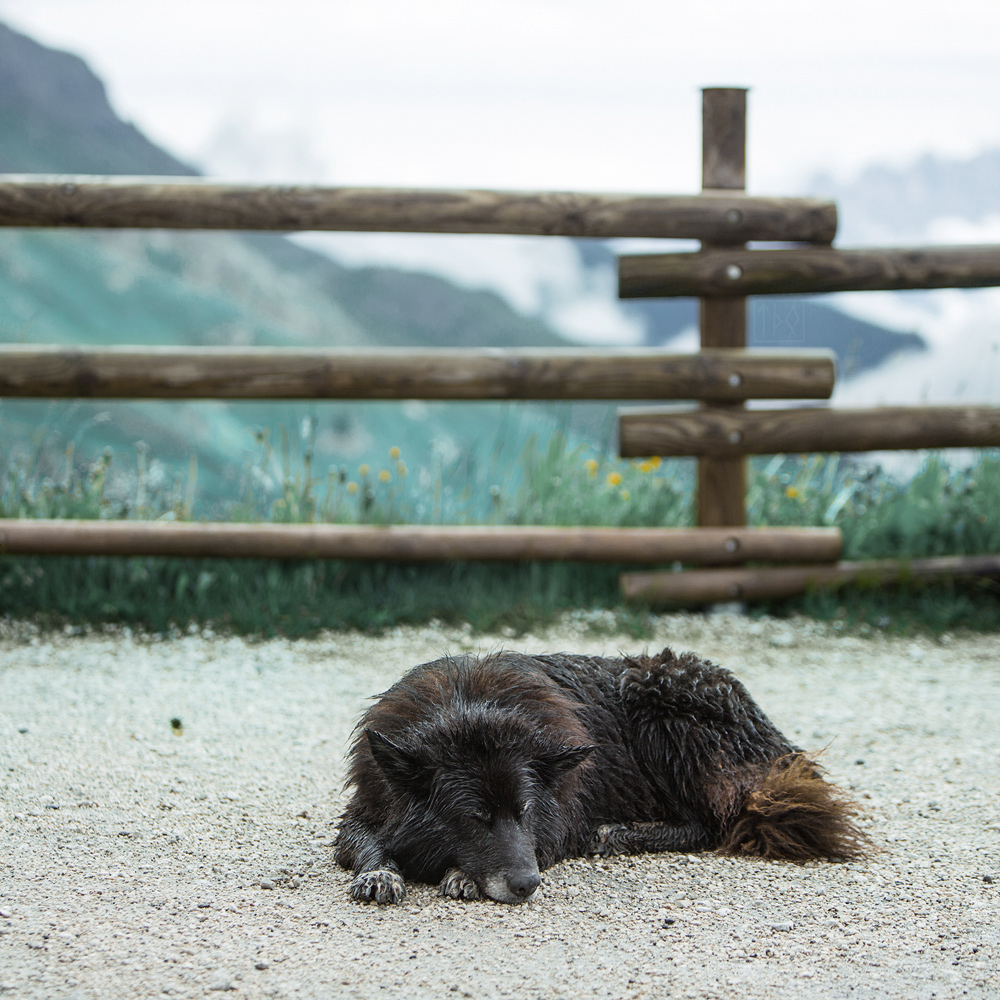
{"points": [[478, 773]]}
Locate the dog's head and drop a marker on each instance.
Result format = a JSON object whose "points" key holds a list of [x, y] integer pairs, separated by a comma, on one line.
{"points": [[490, 788]]}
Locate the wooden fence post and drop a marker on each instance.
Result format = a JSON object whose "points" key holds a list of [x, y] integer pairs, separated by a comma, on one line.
{"points": [[722, 322]]}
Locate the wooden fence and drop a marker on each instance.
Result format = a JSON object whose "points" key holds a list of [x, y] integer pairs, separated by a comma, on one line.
{"points": [[721, 432], [291, 373], [721, 275], [268, 373]]}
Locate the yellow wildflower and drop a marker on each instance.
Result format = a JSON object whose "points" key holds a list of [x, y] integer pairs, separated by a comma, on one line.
{"points": [[591, 466], [352, 488], [791, 492], [614, 478], [646, 467], [363, 470], [401, 470], [384, 476], [626, 496], [394, 453], [655, 461]]}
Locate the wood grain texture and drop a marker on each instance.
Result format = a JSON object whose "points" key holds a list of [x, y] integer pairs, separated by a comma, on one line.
{"points": [[802, 270], [724, 137], [124, 202], [721, 491], [722, 482], [727, 433], [720, 495], [290, 373], [711, 586], [723, 323], [416, 543]]}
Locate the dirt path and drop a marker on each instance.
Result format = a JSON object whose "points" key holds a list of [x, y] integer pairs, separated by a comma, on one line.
{"points": [[134, 859]]}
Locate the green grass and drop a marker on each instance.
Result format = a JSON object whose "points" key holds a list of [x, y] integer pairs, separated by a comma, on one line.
{"points": [[269, 598], [938, 511]]}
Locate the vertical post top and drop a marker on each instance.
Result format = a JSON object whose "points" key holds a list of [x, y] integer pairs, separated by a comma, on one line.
{"points": [[724, 138]]}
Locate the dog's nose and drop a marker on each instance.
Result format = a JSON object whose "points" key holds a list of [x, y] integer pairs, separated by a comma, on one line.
{"points": [[524, 885]]}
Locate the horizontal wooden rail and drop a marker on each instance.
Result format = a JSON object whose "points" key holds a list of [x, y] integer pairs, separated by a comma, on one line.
{"points": [[292, 373], [418, 543], [716, 432], [804, 270], [169, 203], [710, 586]]}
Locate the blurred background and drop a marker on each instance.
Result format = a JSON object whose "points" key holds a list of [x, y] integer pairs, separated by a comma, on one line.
{"points": [[895, 114]]}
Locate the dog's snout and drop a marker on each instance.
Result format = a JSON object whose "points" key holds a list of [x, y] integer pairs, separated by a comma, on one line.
{"points": [[524, 885]]}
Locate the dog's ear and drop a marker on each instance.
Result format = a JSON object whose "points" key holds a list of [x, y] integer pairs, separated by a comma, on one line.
{"points": [[401, 767], [556, 761]]}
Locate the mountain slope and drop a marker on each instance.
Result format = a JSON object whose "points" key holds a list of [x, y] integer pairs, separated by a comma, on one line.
{"points": [[932, 201], [780, 321], [166, 287], [886, 204], [55, 118]]}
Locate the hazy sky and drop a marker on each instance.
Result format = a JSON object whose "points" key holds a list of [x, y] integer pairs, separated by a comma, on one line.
{"points": [[549, 94], [535, 93]]}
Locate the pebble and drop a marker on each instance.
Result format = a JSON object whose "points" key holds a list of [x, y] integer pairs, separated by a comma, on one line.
{"points": [[147, 890], [5, 913]]}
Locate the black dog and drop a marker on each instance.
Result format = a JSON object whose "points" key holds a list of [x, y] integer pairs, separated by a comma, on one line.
{"points": [[478, 773]]}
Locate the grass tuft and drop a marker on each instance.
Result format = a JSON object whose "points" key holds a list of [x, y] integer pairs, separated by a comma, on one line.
{"points": [[938, 511]]}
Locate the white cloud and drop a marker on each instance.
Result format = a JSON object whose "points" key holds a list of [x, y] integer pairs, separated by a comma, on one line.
{"points": [[545, 93]]}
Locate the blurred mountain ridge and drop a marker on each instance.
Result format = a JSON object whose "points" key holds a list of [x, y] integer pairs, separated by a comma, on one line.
{"points": [[94, 287]]}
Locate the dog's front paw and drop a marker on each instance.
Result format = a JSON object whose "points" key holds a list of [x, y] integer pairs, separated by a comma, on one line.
{"points": [[604, 841], [381, 885], [457, 885]]}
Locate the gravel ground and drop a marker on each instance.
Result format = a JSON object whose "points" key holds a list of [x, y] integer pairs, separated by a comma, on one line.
{"points": [[138, 859]]}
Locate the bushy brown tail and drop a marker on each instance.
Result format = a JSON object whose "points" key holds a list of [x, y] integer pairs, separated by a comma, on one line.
{"points": [[791, 813]]}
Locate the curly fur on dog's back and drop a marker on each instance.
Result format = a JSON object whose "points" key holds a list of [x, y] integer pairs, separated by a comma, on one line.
{"points": [[704, 753]]}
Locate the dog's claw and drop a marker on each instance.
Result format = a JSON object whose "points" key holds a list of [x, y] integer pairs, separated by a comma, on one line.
{"points": [[602, 841], [457, 885], [381, 885]]}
